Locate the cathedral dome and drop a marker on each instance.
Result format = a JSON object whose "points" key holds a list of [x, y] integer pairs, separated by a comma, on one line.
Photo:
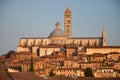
{"points": [[57, 32]]}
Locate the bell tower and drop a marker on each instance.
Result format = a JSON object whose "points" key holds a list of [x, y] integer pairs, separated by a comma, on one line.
{"points": [[68, 22]]}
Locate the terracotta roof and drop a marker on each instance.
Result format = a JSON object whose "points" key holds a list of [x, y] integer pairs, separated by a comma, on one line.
{"points": [[114, 53], [90, 62], [86, 38], [98, 55], [78, 78], [50, 46], [23, 76], [28, 61], [70, 38], [71, 46], [22, 53], [33, 38], [68, 69], [4, 76], [103, 47], [31, 76]]}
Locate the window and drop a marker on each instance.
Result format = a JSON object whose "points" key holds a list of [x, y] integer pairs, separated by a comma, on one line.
{"points": [[93, 57], [67, 30], [67, 26], [68, 21], [66, 65], [79, 66]]}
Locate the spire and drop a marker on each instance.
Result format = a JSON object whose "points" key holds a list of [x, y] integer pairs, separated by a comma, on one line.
{"points": [[104, 36], [103, 31], [103, 28], [67, 10], [67, 3], [57, 25]]}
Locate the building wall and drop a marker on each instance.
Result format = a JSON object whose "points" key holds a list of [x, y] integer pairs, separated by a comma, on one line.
{"points": [[69, 72], [117, 65], [114, 56], [105, 73], [48, 51], [69, 52], [102, 50], [20, 49], [25, 67], [21, 56], [91, 42], [68, 64], [25, 42], [84, 65]]}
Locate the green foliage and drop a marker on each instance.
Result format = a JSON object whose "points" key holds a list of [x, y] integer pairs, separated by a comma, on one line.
{"points": [[88, 72], [9, 53], [31, 65], [51, 73]]}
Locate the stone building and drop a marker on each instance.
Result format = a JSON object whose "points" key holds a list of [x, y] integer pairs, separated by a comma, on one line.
{"points": [[105, 72], [102, 49], [58, 38], [69, 72]]}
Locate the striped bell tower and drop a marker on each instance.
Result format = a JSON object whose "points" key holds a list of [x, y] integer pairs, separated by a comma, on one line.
{"points": [[68, 22]]}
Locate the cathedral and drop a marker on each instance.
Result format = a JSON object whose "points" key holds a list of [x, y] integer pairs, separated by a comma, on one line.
{"points": [[59, 39]]}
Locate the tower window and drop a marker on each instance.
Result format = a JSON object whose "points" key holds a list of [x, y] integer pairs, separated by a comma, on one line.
{"points": [[69, 21], [67, 30]]}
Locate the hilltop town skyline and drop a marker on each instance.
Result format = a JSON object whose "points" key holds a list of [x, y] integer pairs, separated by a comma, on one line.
{"points": [[58, 41], [38, 18]]}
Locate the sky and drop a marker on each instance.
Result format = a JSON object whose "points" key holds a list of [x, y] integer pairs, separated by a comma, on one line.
{"points": [[37, 18]]}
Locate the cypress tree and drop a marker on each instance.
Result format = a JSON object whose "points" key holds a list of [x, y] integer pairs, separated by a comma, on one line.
{"points": [[51, 73], [88, 72], [31, 65]]}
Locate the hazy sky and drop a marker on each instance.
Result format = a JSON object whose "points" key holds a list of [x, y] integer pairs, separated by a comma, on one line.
{"points": [[37, 18]]}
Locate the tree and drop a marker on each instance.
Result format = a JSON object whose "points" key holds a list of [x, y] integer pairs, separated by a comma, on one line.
{"points": [[9, 53], [31, 65], [51, 73], [88, 72]]}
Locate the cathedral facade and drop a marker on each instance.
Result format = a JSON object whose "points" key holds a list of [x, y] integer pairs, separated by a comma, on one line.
{"points": [[59, 38]]}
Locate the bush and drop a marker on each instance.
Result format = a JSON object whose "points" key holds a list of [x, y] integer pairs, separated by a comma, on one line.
{"points": [[88, 72]]}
